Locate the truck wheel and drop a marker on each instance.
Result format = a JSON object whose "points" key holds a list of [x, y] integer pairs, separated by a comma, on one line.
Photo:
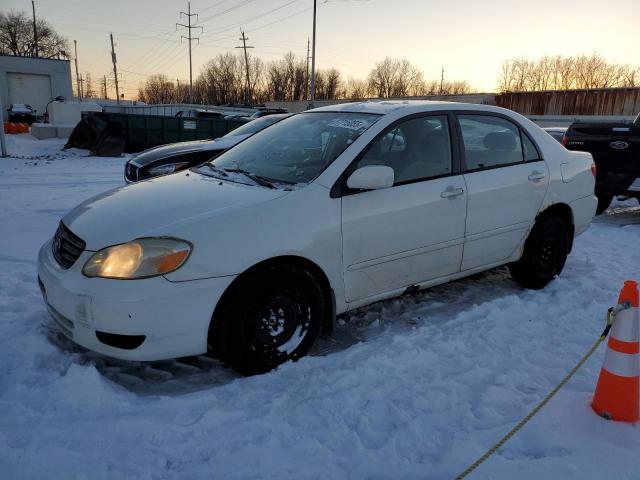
{"points": [[272, 316], [545, 253], [603, 203]]}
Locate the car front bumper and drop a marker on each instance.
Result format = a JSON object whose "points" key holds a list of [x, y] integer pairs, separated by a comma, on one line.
{"points": [[145, 319]]}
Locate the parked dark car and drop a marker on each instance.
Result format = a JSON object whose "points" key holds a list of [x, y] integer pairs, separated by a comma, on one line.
{"points": [[556, 132], [198, 113], [21, 113], [174, 157], [263, 112], [616, 151]]}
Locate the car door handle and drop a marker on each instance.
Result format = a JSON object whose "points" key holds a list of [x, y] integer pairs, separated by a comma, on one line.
{"points": [[452, 192], [536, 175]]}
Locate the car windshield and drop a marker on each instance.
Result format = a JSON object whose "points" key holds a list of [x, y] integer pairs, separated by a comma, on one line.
{"points": [[253, 126], [294, 150]]}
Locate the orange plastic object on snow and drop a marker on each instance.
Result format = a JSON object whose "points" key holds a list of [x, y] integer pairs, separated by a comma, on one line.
{"points": [[617, 395], [12, 127]]}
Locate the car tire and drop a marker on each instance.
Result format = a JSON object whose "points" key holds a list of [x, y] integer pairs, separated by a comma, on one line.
{"points": [[603, 203], [545, 253], [271, 316]]}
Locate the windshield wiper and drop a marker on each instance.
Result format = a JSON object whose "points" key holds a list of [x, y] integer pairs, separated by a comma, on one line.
{"points": [[256, 178], [219, 171]]}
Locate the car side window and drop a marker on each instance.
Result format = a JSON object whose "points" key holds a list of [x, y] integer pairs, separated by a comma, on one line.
{"points": [[416, 149], [530, 151], [490, 141]]}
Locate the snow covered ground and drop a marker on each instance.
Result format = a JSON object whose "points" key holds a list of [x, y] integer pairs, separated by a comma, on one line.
{"points": [[416, 387]]}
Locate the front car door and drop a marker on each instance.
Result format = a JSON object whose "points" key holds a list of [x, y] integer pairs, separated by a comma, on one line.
{"points": [[413, 231], [506, 180]]}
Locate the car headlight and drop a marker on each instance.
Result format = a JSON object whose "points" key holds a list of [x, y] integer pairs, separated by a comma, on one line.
{"points": [[166, 169], [141, 258]]}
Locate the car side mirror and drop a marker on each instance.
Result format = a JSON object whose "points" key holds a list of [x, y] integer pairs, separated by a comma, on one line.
{"points": [[371, 177]]}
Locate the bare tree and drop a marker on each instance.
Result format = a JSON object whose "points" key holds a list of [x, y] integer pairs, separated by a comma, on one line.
{"points": [[16, 37], [395, 78], [383, 77], [356, 89], [562, 73], [222, 81], [157, 89], [89, 92]]}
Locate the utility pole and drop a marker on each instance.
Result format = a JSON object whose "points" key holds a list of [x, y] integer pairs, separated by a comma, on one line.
{"points": [[115, 69], [81, 87], [247, 93], [188, 26], [313, 59], [441, 79], [35, 28], [306, 75], [104, 83], [79, 91]]}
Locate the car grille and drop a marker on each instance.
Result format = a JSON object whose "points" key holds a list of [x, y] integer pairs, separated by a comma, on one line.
{"points": [[66, 246], [131, 172]]}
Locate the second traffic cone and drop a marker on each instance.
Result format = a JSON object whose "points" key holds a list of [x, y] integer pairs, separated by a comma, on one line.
{"points": [[617, 395]]}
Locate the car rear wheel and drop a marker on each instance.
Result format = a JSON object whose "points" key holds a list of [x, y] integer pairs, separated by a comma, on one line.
{"points": [[271, 316], [603, 203], [545, 253]]}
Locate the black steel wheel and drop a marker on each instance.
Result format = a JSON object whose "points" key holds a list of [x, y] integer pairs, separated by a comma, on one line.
{"points": [[271, 316], [545, 253]]}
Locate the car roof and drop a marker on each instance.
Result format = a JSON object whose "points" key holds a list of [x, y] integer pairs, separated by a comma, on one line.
{"points": [[555, 129], [385, 107]]}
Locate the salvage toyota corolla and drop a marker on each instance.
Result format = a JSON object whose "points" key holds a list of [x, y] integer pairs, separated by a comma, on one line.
{"points": [[251, 255]]}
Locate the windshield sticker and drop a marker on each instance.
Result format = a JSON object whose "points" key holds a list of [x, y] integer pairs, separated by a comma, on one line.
{"points": [[351, 124]]}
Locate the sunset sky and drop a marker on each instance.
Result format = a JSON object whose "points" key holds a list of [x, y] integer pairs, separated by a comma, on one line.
{"points": [[470, 38]]}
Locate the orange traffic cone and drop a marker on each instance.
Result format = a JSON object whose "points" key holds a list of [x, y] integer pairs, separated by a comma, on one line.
{"points": [[617, 395]]}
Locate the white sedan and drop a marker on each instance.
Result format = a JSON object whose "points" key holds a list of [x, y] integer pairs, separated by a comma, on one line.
{"points": [[250, 256]]}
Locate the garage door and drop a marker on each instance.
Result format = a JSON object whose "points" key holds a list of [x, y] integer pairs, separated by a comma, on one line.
{"points": [[34, 90]]}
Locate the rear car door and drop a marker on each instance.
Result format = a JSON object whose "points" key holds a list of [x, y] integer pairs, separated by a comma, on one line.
{"points": [[506, 179], [413, 231]]}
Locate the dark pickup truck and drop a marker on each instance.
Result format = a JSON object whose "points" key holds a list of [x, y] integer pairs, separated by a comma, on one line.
{"points": [[616, 151]]}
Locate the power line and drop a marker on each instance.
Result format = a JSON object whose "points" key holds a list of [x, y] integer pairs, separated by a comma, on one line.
{"points": [[233, 26], [230, 9], [190, 38]]}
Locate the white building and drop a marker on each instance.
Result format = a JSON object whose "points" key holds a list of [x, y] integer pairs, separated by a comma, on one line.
{"points": [[34, 81]]}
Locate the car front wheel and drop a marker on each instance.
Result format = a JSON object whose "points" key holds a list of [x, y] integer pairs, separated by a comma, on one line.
{"points": [[544, 256], [271, 316]]}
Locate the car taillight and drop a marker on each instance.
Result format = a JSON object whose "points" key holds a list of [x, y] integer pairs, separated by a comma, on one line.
{"points": [[565, 140], [593, 169]]}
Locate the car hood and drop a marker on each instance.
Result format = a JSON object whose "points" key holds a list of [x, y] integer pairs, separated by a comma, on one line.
{"points": [[157, 206], [163, 151], [146, 157]]}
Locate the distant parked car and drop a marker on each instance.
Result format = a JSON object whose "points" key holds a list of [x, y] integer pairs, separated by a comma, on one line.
{"points": [[198, 113], [556, 132], [615, 147], [21, 113], [251, 255], [263, 112], [174, 157]]}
